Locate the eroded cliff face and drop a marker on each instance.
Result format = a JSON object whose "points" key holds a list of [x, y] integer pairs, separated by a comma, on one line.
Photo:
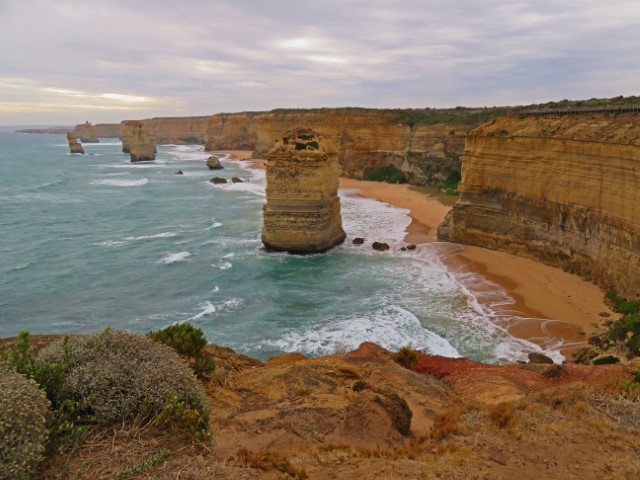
{"points": [[102, 130], [561, 189], [364, 139], [86, 133], [170, 130], [302, 213]]}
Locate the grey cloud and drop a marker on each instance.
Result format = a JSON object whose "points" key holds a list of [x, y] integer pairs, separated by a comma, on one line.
{"points": [[198, 57]]}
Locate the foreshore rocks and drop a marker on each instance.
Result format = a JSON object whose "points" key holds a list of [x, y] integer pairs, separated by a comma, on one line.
{"points": [[74, 145], [561, 189], [87, 134], [213, 163], [142, 146], [302, 213]]}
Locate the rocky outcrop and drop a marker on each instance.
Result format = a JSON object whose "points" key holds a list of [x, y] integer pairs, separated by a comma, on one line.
{"points": [[142, 144], [213, 163], [74, 145], [562, 189], [86, 133], [302, 214]]}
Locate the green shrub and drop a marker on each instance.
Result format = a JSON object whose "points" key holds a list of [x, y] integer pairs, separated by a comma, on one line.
{"points": [[398, 411], [606, 360], [115, 376], [184, 338], [406, 356], [388, 173], [189, 341], [622, 305], [23, 432]]}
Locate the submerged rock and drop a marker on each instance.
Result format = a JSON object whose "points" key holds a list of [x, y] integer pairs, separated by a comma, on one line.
{"points": [[302, 214], [236, 180], [358, 241], [179, 172], [411, 246], [213, 163], [74, 145], [218, 180]]}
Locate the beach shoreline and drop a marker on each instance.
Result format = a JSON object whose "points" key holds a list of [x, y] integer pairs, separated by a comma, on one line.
{"points": [[550, 305]]}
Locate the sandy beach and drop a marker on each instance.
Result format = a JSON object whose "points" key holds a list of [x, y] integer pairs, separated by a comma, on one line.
{"points": [[554, 304]]}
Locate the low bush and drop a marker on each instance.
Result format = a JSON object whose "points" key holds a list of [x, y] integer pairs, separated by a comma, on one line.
{"points": [[189, 341], [388, 173], [406, 356], [116, 376], [24, 409]]}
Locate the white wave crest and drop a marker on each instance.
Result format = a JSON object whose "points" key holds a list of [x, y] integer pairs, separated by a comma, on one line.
{"points": [[122, 183], [174, 258]]}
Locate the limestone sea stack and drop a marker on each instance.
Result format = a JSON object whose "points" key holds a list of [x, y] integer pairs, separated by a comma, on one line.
{"points": [[143, 144], [213, 163], [87, 133], [74, 145], [302, 213]]}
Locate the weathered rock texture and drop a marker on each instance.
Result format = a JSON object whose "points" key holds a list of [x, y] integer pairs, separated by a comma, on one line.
{"points": [[365, 139], [170, 130], [302, 214], [142, 143], [86, 133], [561, 189], [74, 145]]}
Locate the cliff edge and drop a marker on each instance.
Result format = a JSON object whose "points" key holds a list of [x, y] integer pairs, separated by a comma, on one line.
{"points": [[562, 189]]}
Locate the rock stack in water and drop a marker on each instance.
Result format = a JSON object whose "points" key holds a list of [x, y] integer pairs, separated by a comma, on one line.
{"points": [[87, 134], [74, 145], [302, 214], [142, 144]]}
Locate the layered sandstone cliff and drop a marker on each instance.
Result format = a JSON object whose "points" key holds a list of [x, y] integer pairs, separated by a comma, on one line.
{"points": [[427, 152], [86, 133], [302, 213], [170, 130], [561, 189], [74, 145], [142, 144]]}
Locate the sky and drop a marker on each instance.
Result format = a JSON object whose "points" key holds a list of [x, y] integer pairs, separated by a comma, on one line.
{"points": [[63, 62]]}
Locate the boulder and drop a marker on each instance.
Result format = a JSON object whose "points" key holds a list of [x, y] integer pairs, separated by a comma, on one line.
{"points": [[380, 246], [179, 172], [74, 145], [217, 180], [358, 241], [213, 163], [236, 180], [537, 357], [411, 246]]}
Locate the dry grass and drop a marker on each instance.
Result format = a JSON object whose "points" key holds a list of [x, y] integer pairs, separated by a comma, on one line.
{"points": [[267, 460]]}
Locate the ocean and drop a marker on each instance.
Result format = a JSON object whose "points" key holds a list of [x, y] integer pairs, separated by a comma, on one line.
{"points": [[90, 241]]}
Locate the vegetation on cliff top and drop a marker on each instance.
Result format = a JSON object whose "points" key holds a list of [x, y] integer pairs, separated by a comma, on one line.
{"points": [[592, 102]]}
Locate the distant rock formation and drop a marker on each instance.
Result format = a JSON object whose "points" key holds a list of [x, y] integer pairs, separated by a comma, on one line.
{"points": [[142, 145], [87, 133], [74, 145], [213, 163], [302, 214]]}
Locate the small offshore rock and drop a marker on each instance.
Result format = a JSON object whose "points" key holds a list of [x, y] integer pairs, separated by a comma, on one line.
{"points": [[380, 246], [536, 357], [411, 246], [236, 180], [179, 172], [213, 163], [358, 241], [404, 249], [217, 180]]}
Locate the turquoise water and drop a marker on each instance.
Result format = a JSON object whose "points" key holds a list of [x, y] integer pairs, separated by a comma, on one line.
{"points": [[93, 240]]}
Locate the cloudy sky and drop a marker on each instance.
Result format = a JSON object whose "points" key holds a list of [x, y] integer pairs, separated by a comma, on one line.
{"points": [[64, 62]]}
